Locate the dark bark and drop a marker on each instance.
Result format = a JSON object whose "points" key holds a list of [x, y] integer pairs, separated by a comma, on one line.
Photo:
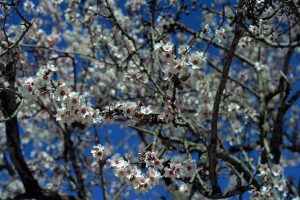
{"points": [[212, 147], [9, 104]]}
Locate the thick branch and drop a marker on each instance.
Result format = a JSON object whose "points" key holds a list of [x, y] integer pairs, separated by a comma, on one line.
{"points": [[212, 147], [276, 139]]}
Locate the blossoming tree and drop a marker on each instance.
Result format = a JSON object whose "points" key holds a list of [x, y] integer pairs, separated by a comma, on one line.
{"points": [[108, 99]]}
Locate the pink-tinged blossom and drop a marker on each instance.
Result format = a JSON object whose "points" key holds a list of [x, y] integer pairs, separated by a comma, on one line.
{"points": [[129, 172], [169, 73], [277, 170], [189, 168], [274, 183], [152, 160], [129, 109], [154, 176], [142, 184], [206, 29], [173, 170], [245, 42], [116, 161], [39, 85], [61, 93], [83, 111], [143, 181], [272, 194], [135, 173], [220, 35], [96, 117], [74, 101], [44, 74], [166, 116], [167, 47], [146, 110], [150, 157], [197, 60], [158, 164], [73, 107], [119, 166], [233, 107], [98, 152], [27, 88], [28, 6], [280, 185], [264, 170], [166, 57], [166, 53], [179, 67], [61, 113]]}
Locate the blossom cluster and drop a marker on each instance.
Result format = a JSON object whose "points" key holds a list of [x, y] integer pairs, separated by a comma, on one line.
{"points": [[133, 110], [173, 66], [108, 42], [131, 174], [144, 178], [73, 106], [166, 116], [32, 87], [273, 183]]}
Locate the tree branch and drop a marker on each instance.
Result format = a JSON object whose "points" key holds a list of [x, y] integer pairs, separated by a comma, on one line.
{"points": [[212, 147]]}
